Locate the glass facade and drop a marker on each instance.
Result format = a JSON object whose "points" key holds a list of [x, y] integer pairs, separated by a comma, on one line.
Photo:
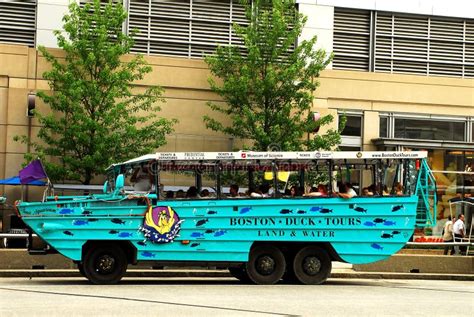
{"points": [[429, 129]]}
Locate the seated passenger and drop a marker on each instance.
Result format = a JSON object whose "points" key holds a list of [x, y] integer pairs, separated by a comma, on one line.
{"points": [[294, 191], [142, 179], [323, 190], [234, 191], [366, 192], [192, 192], [373, 189], [180, 194], [313, 192], [320, 191], [262, 191], [204, 193], [345, 190], [169, 194], [398, 189]]}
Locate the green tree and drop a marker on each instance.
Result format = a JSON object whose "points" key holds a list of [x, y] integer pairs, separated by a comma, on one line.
{"points": [[268, 84], [97, 118]]}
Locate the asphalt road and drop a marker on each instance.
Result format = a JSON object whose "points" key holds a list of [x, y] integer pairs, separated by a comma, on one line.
{"points": [[227, 297]]}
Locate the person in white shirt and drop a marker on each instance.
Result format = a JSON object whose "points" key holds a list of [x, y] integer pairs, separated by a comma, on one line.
{"points": [[142, 179], [345, 190], [459, 231], [448, 236]]}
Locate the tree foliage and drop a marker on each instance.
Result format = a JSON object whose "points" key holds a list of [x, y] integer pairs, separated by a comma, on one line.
{"points": [[96, 118], [268, 85]]}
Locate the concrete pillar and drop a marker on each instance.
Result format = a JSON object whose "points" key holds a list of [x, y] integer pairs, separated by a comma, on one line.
{"points": [[49, 18], [320, 23], [371, 130]]}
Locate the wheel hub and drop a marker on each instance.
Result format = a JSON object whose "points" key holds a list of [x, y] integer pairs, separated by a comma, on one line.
{"points": [[105, 264], [311, 265], [265, 265]]}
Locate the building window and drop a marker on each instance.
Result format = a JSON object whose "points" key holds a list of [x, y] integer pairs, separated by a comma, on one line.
{"points": [[351, 136], [402, 43], [429, 129], [383, 127], [18, 22], [353, 125]]}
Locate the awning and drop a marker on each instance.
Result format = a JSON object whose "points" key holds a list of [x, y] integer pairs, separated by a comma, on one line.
{"points": [[15, 181], [383, 143]]}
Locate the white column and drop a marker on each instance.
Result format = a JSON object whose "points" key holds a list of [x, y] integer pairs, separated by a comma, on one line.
{"points": [[49, 18], [320, 23]]}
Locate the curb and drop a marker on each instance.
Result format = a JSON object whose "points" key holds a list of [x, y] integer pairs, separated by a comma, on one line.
{"points": [[225, 274]]}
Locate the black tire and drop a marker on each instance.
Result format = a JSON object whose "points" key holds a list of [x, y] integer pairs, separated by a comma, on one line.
{"points": [[105, 264], [312, 265], [240, 273], [266, 265], [80, 267]]}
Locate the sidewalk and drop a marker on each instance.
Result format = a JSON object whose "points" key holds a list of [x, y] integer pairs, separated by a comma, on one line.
{"points": [[18, 263], [337, 273]]}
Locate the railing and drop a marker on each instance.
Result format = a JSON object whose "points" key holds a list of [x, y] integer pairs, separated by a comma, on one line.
{"points": [[426, 192]]}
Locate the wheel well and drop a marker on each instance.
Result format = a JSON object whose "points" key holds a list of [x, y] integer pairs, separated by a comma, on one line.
{"points": [[290, 248], [129, 249]]}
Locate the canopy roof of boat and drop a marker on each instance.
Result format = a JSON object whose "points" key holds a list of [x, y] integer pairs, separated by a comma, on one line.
{"points": [[283, 156]]}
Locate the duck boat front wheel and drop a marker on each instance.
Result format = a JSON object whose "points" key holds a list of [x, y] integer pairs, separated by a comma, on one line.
{"points": [[266, 265], [105, 264]]}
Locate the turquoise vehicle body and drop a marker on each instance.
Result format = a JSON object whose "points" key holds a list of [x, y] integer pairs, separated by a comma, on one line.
{"points": [[357, 230], [372, 234]]}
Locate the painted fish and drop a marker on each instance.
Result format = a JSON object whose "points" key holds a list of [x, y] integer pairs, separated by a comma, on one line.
{"points": [[379, 220], [80, 222], [92, 219], [209, 231], [315, 209], [369, 224], [386, 236], [286, 211], [193, 245], [245, 210], [113, 232], [87, 212], [69, 233], [325, 211], [389, 223], [148, 254], [301, 212], [66, 211], [201, 222], [376, 246], [397, 208], [142, 243], [197, 235], [212, 212], [396, 232], [118, 221], [360, 209], [125, 234], [220, 233]]}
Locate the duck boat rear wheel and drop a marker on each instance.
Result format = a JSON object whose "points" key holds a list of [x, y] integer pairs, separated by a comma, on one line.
{"points": [[312, 265]]}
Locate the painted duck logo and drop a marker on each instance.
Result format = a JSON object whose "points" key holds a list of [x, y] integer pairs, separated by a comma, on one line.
{"points": [[161, 224]]}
